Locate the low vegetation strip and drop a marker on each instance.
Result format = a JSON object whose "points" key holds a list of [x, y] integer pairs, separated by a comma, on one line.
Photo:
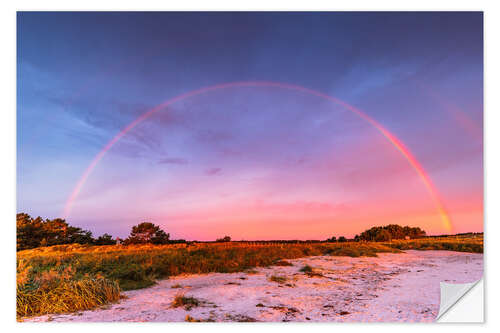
{"points": [[474, 245], [73, 277]]}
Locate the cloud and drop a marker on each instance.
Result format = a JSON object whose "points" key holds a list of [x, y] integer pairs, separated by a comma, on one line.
{"points": [[173, 160], [213, 171]]}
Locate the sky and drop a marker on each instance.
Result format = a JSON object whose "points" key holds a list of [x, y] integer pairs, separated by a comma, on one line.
{"points": [[337, 122]]}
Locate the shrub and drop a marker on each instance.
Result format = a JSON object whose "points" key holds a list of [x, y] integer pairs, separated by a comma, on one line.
{"points": [[224, 239], [278, 279], [186, 302], [306, 269]]}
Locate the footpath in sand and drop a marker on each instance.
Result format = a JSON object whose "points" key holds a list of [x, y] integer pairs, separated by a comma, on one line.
{"points": [[392, 287]]}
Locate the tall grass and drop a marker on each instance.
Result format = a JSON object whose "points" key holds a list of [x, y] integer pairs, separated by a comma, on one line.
{"points": [[66, 296], [68, 278]]}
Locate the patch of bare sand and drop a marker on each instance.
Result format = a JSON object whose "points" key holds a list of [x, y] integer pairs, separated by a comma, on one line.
{"points": [[392, 287]]}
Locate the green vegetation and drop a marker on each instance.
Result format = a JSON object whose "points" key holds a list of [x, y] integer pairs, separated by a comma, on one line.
{"points": [[224, 239], [36, 232], [384, 234], [451, 243], [147, 233], [306, 269], [390, 232], [309, 271]]}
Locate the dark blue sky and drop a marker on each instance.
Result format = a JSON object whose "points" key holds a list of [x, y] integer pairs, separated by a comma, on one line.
{"points": [[82, 77]]}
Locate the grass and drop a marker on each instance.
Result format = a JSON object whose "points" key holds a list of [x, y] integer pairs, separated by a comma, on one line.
{"points": [[278, 279], [282, 263], [186, 302], [306, 269], [194, 320], [66, 296], [309, 271], [68, 278], [451, 243]]}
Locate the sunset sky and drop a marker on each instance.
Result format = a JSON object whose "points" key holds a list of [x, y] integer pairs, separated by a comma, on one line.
{"points": [[270, 157]]}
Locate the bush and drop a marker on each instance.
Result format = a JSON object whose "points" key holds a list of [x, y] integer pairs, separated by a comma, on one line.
{"points": [[278, 279], [306, 269], [186, 302]]}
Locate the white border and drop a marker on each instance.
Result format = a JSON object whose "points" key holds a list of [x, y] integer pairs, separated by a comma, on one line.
{"points": [[8, 149]]}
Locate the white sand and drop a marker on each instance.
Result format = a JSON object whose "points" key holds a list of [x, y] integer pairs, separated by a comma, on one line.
{"points": [[392, 287]]}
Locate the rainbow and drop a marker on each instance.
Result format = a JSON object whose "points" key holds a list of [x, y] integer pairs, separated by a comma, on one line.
{"points": [[433, 192]]}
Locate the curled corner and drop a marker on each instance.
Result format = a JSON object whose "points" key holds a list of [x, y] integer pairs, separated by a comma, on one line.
{"points": [[451, 293]]}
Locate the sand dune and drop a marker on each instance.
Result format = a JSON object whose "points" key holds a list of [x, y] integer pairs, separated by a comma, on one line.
{"points": [[391, 287]]}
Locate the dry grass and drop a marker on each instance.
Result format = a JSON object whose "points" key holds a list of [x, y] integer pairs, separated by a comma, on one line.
{"points": [[66, 296], [186, 302], [278, 279], [451, 243]]}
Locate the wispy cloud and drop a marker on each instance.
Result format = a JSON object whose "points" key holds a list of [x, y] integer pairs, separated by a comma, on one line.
{"points": [[213, 171], [173, 160]]}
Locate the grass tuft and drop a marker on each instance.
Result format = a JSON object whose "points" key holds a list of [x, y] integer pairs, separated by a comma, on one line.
{"points": [[278, 279], [306, 269], [282, 263], [186, 302]]}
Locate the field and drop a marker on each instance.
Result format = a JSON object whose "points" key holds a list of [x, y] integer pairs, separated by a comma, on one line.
{"points": [[68, 278]]}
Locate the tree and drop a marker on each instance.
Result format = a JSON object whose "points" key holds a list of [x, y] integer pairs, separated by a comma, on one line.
{"points": [[224, 239], [332, 240], [342, 239], [391, 231], [383, 236], [147, 232], [105, 239], [36, 232]]}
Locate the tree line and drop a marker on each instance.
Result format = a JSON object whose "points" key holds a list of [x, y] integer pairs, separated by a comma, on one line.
{"points": [[38, 232]]}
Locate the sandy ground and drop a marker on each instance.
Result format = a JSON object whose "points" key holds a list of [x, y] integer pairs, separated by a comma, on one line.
{"points": [[392, 287]]}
